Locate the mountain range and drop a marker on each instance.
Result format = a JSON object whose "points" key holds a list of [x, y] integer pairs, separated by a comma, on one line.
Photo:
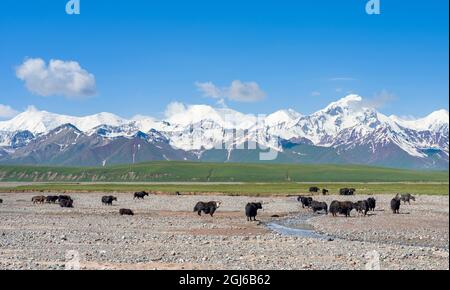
{"points": [[347, 131]]}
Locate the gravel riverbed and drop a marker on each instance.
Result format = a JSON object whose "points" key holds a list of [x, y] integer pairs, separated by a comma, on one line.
{"points": [[164, 233]]}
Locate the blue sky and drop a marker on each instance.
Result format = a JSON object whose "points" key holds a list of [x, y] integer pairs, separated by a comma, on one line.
{"points": [[301, 54]]}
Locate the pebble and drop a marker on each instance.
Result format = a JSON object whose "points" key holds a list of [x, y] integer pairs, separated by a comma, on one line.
{"points": [[104, 238]]}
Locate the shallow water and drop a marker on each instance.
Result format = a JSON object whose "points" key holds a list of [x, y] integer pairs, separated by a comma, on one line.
{"points": [[297, 226], [300, 226]]}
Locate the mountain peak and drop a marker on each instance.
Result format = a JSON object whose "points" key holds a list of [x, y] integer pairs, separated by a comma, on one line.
{"points": [[434, 121], [351, 98], [65, 127], [282, 116], [439, 115], [37, 121]]}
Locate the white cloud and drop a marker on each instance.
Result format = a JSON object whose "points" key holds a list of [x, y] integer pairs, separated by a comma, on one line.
{"points": [[379, 100], [58, 78], [174, 108], [32, 108], [221, 103], [7, 112], [209, 90], [238, 91], [315, 93], [245, 92]]}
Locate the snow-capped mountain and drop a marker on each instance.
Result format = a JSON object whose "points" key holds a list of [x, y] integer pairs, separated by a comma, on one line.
{"points": [[346, 131], [15, 139], [436, 121], [39, 122]]}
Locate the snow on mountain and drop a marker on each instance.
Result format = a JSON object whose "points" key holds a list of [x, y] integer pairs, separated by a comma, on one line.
{"points": [[227, 118], [146, 123], [108, 131], [433, 122], [281, 117], [5, 138], [323, 126], [15, 139], [202, 127], [347, 124], [38, 122], [343, 114], [130, 130]]}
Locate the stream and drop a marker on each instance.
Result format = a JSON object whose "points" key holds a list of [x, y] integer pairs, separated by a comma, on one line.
{"points": [[296, 225]]}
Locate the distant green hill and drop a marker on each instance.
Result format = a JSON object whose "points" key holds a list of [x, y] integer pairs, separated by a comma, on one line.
{"points": [[218, 172]]}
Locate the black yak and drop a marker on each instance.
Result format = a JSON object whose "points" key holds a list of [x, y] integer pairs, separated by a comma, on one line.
{"points": [[125, 211], [319, 206], [395, 204], [66, 203], [338, 207], [306, 201], [407, 197], [372, 203], [251, 210], [140, 195], [108, 200], [347, 191], [51, 199], [207, 207], [362, 206], [38, 199], [64, 197], [314, 189]]}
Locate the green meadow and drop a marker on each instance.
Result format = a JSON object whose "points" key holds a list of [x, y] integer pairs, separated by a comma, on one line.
{"points": [[218, 172], [225, 178], [254, 189]]}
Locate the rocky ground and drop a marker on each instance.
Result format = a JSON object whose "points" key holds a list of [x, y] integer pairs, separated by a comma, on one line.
{"points": [[164, 233]]}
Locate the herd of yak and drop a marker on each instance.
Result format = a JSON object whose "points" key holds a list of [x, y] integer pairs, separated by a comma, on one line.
{"points": [[210, 208], [345, 207], [251, 209]]}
